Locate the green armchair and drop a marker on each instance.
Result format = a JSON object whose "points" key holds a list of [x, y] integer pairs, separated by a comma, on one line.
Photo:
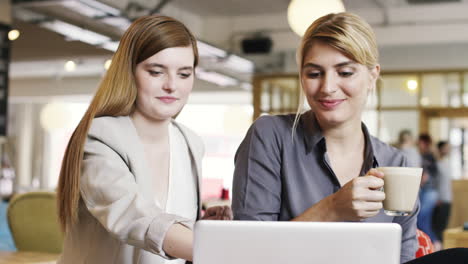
{"points": [[33, 222]]}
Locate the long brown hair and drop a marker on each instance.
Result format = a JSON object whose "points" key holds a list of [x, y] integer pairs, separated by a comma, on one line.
{"points": [[116, 96]]}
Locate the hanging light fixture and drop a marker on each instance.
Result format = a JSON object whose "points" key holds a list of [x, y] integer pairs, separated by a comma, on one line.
{"points": [[301, 13]]}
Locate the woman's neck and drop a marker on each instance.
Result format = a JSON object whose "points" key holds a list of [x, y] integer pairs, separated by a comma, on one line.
{"points": [[344, 138], [150, 131]]}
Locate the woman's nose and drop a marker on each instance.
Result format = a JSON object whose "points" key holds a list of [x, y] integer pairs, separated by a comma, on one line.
{"points": [[328, 84], [169, 83]]}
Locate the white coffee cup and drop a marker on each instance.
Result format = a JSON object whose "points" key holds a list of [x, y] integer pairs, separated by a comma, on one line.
{"points": [[401, 187]]}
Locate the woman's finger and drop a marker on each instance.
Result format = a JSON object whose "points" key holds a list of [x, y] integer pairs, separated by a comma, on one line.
{"points": [[371, 181], [376, 173]]}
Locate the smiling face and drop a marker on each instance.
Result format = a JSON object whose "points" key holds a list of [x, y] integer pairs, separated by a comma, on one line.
{"points": [[164, 82], [336, 87]]}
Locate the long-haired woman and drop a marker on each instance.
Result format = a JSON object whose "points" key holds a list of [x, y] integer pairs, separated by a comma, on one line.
{"points": [[129, 187]]}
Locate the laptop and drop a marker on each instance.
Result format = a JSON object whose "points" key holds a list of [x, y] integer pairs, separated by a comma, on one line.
{"points": [[258, 242]]}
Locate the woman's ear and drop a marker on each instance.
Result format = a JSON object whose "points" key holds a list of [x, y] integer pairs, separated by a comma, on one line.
{"points": [[374, 74]]}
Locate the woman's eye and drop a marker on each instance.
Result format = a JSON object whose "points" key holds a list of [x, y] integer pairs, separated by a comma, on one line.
{"points": [[155, 73], [346, 73], [185, 75], [313, 75]]}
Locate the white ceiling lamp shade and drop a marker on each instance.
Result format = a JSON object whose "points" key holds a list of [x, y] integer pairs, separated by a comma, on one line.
{"points": [[301, 13]]}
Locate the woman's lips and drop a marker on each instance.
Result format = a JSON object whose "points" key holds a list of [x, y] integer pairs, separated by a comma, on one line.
{"points": [[330, 104], [167, 99]]}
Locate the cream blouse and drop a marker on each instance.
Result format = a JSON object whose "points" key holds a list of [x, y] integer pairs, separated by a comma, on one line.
{"points": [[182, 191]]}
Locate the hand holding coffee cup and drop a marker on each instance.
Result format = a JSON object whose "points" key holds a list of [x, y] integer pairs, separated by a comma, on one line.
{"points": [[401, 189], [360, 198]]}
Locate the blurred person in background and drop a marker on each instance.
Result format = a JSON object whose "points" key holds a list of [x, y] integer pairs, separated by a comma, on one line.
{"points": [[407, 145], [7, 177], [129, 187], [428, 194], [6, 239], [444, 188]]}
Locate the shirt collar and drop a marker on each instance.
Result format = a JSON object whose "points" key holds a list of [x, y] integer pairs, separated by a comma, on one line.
{"points": [[313, 133], [313, 136]]}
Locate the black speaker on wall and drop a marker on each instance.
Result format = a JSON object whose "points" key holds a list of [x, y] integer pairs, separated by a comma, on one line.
{"points": [[257, 45], [4, 65]]}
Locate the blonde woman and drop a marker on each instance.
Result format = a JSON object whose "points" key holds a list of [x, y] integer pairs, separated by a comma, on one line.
{"points": [[129, 188], [318, 166]]}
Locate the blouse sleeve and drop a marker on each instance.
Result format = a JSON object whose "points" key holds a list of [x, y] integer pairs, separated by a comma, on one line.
{"points": [[257, 174]]}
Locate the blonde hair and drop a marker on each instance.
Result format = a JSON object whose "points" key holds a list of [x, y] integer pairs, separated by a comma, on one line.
{"points": [[116, 96], [346, 32]]}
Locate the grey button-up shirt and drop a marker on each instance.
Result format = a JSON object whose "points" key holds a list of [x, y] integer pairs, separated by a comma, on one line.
{"points": [[277, 178]]}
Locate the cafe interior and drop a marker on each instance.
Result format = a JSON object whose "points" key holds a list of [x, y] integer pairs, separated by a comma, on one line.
{"points": [[53, 54]]}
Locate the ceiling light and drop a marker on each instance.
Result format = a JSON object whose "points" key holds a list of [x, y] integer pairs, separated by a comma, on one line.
{"points": [[107, 64], [216, 78], [301, 13], [85, 66], [13, 34], [119, 22], [231, 61], [83, 9], [70, 66], [102, 7], [207, 50], [75, 33], [239, 64], [111, 45], [412, 85]]}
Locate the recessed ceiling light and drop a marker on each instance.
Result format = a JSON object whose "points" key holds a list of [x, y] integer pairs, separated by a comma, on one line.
{"points": [[107, 64], [412, 85], [70, 66], [13, 34]]}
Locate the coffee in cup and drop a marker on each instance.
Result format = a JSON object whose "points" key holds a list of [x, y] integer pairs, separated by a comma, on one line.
{"points": [[401, 187]]}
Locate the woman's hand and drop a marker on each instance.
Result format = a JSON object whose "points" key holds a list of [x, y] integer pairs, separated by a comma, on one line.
{"points": [[218, 213], [360, 198]]}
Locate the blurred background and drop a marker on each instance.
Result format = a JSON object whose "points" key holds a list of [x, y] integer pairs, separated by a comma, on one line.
{"points": [[54, 53]]}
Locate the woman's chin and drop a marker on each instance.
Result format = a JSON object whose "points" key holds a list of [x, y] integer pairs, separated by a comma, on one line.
{"points": [[330, 119]]}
